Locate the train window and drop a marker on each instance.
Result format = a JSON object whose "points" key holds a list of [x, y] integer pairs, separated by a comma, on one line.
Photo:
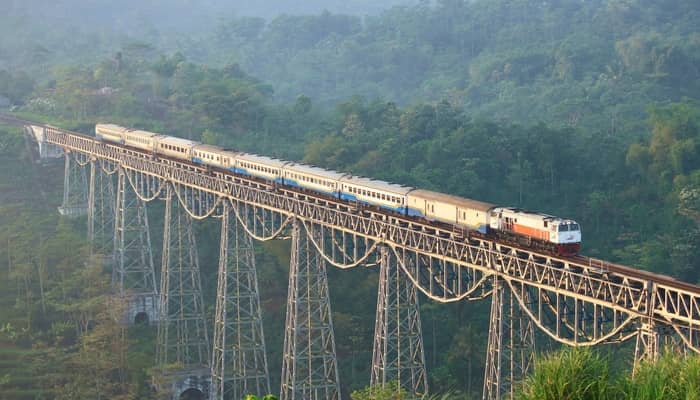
{"points": [[574, 227], [545, 224], [563, 228]]}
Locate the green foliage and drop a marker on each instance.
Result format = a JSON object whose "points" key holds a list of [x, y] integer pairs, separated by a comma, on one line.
{"points": [[390, 391], [582, 374], [670, 378], [577, 374], [254, 397]]}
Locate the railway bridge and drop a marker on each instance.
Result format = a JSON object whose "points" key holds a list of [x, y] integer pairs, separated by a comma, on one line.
{"points": [[576, 301]]}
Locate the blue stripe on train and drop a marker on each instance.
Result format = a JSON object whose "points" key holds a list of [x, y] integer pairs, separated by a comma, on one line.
{"points": [[352, 197], [292, 182], [414, 212], [244, 171]]}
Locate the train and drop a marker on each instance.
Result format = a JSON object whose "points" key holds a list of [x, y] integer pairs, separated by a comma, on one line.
{"points": [[548, 233]]}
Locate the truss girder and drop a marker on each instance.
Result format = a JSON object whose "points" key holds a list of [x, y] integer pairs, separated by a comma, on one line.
{"points": [[575, 280], [239, 358]]}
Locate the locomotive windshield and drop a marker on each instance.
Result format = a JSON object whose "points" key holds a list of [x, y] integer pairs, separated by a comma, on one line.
{"points": [[574, 227], [563, 228]]}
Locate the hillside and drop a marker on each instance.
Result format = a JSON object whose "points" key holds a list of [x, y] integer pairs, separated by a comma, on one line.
{"points": [[594, 64]]}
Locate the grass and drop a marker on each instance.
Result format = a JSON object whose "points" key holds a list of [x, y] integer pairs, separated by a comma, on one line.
{"points": [[582, 374]]}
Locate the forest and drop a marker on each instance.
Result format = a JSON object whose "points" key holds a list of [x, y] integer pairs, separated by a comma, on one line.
{"points": [[588, 110]]}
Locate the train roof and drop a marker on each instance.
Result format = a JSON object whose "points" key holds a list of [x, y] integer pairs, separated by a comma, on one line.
{"points": [[375, 184], [177, 141], [314, 170], [538, 214], [272, 162], [113, 127], [526, 212], [215, 149], [448, 198], [143, 133]]}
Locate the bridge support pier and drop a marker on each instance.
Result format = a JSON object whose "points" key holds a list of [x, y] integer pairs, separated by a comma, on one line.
{"points": [[182, 349], [100, 211], [309, 364], [647, 346], [239, 360], [133, 274], [398, 340], [511, 344], [75, 195]]}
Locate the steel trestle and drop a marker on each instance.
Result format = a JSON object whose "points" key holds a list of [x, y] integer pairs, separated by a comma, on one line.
{"points": [[398, 340], [239, 356], [309, 364]]}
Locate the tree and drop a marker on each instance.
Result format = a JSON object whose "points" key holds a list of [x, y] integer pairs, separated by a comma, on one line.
{"points": [[390, 391]]}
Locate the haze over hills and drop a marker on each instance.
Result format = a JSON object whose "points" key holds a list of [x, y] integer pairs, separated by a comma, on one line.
{"points": [[179, 14]]}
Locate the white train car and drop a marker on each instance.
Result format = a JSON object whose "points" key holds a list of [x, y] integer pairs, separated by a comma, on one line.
{"points": [[175, 147], [450, 209], [214, 156], [143, 140], [312, 178], [383, 194], [259, 166], [110, 132], [564, 234]]}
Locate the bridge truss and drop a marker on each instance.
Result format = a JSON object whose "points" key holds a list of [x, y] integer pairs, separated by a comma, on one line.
{"points": [[574, 301]]}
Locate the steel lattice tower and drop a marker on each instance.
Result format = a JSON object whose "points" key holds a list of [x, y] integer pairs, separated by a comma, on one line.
{"points": [[511, 345], [133, 275], [239, 357], [75, 186], [309, 364], [647, 345], [101, 204], [182, 331], [398, 341]]}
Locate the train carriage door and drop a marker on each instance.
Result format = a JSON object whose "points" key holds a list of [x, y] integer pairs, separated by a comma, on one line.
{"points": [[430, 209]]}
